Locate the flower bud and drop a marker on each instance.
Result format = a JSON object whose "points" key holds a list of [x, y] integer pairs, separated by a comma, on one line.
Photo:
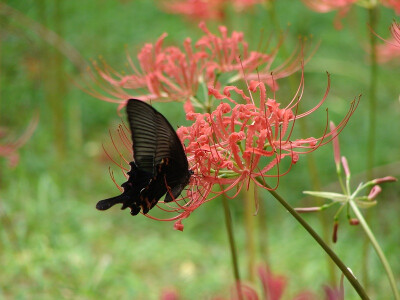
{"points": [[354, 221], [307, 209], [384, 179], [345, 166], [335, 229], [336, 147], [376, 189]]}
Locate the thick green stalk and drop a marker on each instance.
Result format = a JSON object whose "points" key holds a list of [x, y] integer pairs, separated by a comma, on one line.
{"points": [[232, 245], [263, 232], [377, 248], [372, 94], [349, 275], [250, 229], [57, 89], [372, 16]]}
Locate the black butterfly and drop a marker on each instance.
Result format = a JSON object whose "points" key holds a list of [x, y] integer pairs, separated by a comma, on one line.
{"points": [[159, 163]]}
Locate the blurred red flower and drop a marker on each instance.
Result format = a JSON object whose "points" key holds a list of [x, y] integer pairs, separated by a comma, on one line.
{"points": [[201, 10], [323, 6], [273, 288], [9, 145]]}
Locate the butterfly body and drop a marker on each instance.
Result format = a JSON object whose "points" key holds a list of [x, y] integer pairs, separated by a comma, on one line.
{"points": [[159, 165]]}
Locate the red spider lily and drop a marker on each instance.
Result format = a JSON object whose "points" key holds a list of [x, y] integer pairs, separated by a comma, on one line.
{"points": [[395, 4], [196, 10], [164, 74], [173, 74], [223, 53], [226, 54], [8, 148], [240, 5], [328, 5], [391, 49], [324, 6], [233, 145]]}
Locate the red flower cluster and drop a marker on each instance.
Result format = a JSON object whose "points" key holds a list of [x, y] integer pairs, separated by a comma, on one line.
{"points": [[243, 141], [173, 74]]}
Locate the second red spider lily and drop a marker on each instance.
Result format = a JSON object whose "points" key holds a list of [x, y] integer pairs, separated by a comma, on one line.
{"points": [[323, 6], [394, 4], [343, 7], [183, 74]]}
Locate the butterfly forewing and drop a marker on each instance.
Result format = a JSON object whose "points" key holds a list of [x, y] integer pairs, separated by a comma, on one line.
{"points": [[143, 124], [153, 138]]}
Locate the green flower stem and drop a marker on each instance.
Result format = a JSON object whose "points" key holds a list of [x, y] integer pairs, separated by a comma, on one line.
{"points": [[249, 207], [232, 245], [377, 248], [372, 16], [349, 275]]}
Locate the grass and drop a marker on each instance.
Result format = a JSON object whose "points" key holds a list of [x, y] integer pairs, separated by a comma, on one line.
{"points": [[55, 245]]}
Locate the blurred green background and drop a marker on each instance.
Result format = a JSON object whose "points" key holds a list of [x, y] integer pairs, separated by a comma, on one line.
{"points": [[54, 244]]}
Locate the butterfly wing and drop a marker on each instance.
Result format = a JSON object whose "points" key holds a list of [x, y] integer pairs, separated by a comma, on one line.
{"points": [[154, 139], [160, 165]]}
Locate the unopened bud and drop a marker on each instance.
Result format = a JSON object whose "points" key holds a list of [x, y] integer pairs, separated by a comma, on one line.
{"points": [[307, 209], [335, 229], [354, 221], [384, 179], [336, 147], [376, 189], [345, 166]]}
